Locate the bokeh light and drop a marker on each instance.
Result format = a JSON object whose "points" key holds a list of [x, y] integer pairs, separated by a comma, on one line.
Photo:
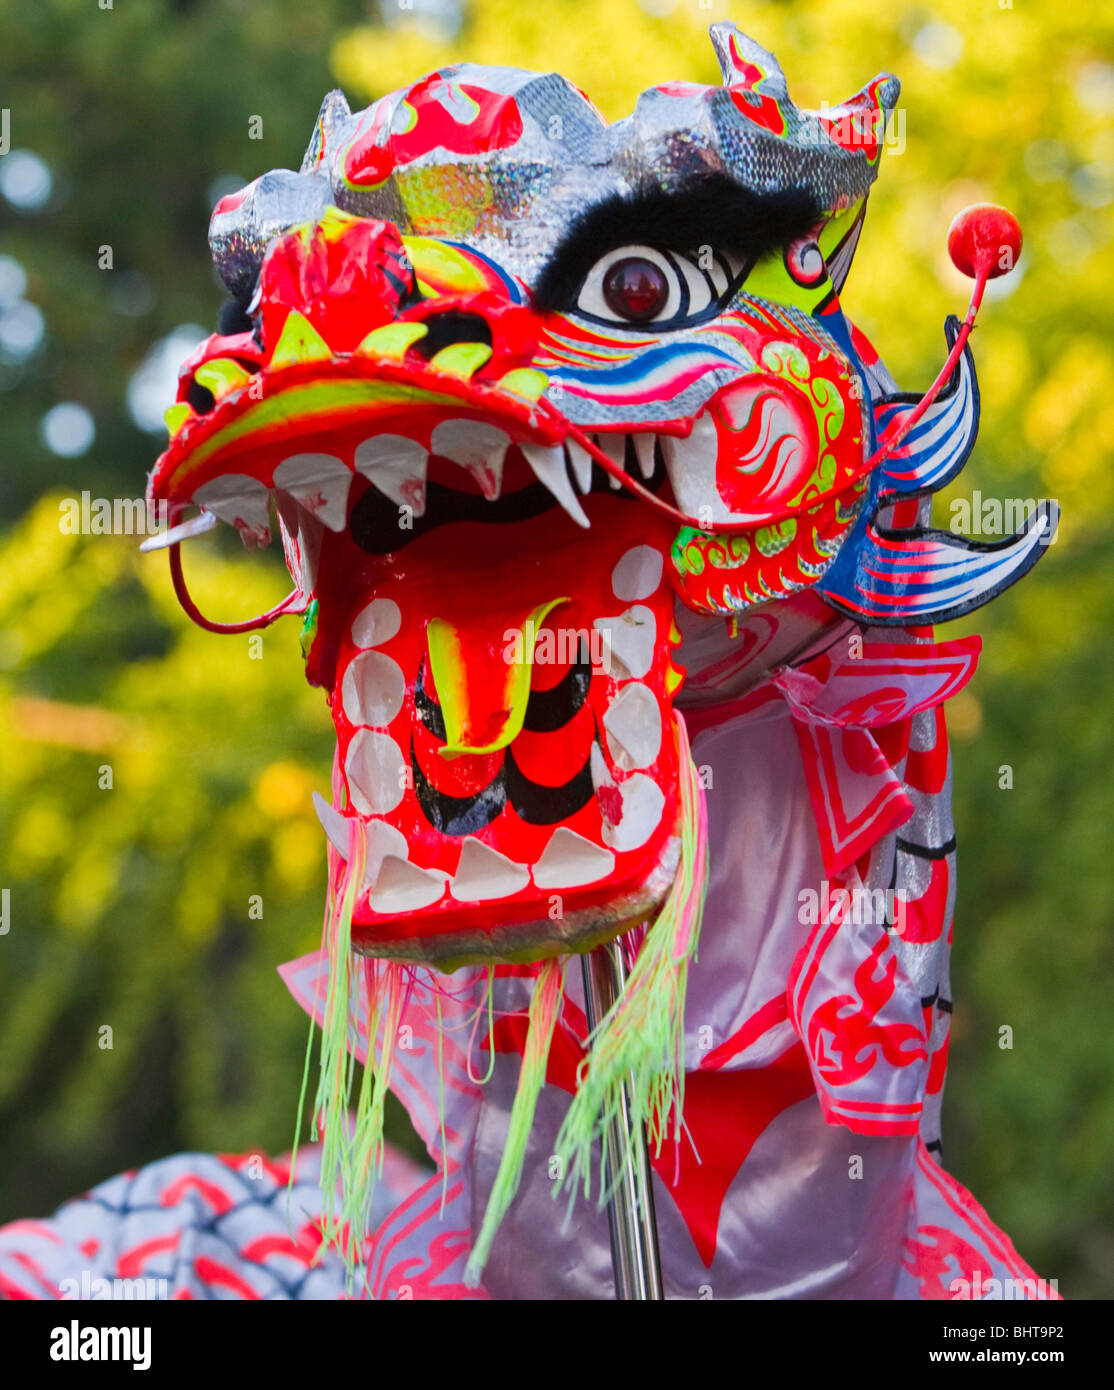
{"points": [[939, 45], [68, 430], [1094, 88], [22, 327], [154, 383], [25, 180], [13, 281]]}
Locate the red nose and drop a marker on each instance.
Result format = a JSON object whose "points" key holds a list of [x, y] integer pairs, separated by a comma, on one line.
{"points": [[346, 275], [350, 275]]}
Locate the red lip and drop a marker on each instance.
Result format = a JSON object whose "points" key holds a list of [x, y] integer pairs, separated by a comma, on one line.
{"points": [[513, 801]]}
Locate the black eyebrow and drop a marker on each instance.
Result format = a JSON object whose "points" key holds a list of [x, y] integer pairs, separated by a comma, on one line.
{"points": [[710, 211]]}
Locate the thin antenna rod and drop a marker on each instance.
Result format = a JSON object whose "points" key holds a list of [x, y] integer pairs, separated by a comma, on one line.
{"points": [[635, 1257]]}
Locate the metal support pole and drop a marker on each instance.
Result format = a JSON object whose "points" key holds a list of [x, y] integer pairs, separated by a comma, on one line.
{"points": [[630, 1212]]}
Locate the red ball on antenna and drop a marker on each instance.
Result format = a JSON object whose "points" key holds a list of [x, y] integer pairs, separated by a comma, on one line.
{"points": [[984, 239]]}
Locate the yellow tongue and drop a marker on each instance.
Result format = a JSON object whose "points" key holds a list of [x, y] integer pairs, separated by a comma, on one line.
{"points": [[483, 683]]}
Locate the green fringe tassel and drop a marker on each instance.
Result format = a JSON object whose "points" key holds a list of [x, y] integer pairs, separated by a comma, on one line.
{"points": [[640, 1041], [545, 1006], [351, 1150]]}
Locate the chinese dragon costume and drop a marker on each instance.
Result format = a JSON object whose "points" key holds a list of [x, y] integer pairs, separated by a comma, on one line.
{"points": [[609, 532]]}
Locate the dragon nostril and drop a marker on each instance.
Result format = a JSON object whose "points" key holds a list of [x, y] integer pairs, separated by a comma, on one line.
{"points": [[200, 397], [445, 329]]}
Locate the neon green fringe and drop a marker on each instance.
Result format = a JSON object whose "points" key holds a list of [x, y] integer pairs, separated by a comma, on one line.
{"points": [[351, 1149], [639, 1043], [545, 1006]]}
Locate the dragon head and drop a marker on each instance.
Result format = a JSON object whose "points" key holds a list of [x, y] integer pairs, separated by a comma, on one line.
{"points": [[538, 401]]}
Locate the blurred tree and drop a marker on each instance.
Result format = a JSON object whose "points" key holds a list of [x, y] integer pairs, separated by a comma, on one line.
{"points": [[140, 112], [129, 906]]}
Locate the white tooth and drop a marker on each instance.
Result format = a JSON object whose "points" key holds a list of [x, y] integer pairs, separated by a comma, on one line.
{"points": [[643, 802], [376, 772], [302, 534], [637, 574], [600, 441], [614, 446], [632, 725], [383, 842], [569, 861], [581, 461], [403, 887], [644, 452], [381, 839], [549, 467], [607, 445], [477, 446], [373, 689], [601, 776], [629, 642], [483, 873], [241, 501], [310, 535], [321, 483], [691, 465], [376, 623], [397, 466], [287, 510], [335, 826], [184, 531]]}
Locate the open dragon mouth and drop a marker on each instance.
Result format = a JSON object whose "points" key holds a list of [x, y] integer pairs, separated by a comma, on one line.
{"points": [[493, 619], [505, 740]]}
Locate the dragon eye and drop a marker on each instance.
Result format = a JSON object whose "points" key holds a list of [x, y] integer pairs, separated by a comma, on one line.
{"points": [[640, 285], [636, 289]]}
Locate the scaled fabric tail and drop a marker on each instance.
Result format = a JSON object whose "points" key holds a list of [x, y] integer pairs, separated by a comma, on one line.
{"points": [[640, 1041]]}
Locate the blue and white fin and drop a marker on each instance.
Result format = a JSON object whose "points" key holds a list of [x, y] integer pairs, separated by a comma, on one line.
{"points": [[940, 443], [922, 576]]}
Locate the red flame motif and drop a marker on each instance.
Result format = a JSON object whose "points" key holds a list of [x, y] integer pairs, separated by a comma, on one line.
{"points": [[768, 444], [856, 1034], [455, 116]]}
